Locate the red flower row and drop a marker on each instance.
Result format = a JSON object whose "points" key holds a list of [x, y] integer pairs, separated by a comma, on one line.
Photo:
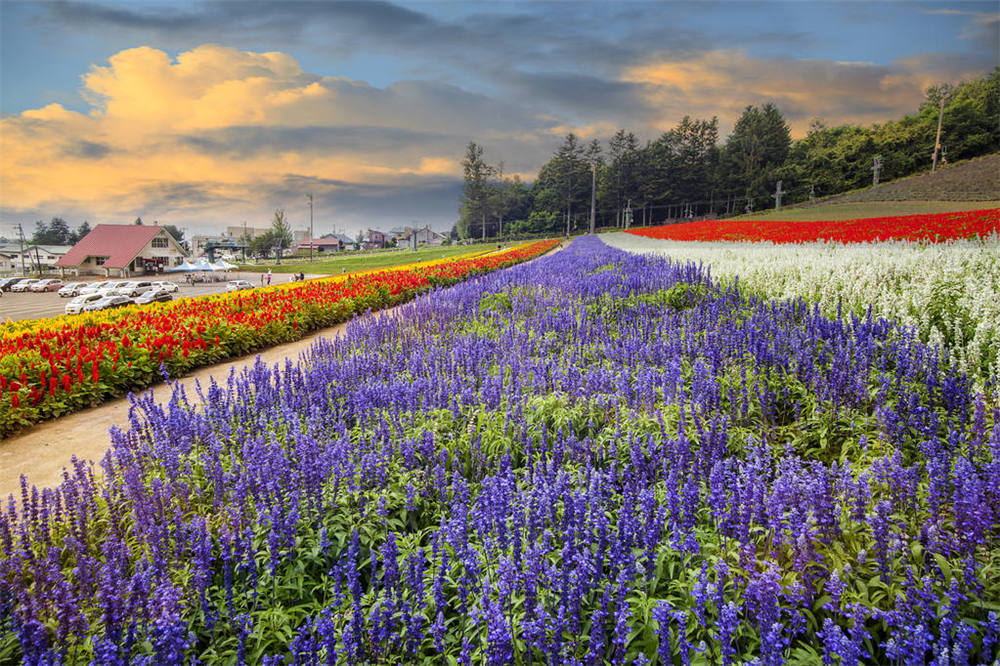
{"points": [[937, 227]]}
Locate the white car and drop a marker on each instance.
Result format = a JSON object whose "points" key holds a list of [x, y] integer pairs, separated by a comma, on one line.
{"points": [[24, 285], [238, 285], [71, 289], [154, 296], [134, 288], [95, 287], [111, 289], [78, 304], [166, 285], [107, 303]]}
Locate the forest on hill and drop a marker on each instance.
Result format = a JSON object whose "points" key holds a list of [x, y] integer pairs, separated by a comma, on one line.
{"points": [[689, 172]]}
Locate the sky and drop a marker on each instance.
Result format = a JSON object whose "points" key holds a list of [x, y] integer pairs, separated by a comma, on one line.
{"points": [[209, 114]]}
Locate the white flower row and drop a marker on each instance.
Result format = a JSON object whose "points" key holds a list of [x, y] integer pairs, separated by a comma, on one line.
{"points": [[949, 292]]}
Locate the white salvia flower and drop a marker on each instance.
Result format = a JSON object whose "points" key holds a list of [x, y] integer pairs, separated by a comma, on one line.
{"points": [[933, 288]]}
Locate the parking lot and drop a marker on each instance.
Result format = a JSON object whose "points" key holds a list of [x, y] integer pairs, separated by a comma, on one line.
{"points": [[33, 305]]}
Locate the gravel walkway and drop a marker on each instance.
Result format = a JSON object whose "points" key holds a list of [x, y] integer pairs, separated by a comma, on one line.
{"points": [[41, 452]]}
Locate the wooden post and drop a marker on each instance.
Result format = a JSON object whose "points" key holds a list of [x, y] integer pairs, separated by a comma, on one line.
{"points": [[937, 141]]}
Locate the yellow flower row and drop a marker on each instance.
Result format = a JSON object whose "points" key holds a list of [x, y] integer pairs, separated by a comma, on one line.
{"points": [[15, 329]]}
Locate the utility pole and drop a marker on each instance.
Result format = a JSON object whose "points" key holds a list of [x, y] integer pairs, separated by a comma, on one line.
{"points": [[876, 168], [310, 227], [245, 241], [20, 233], [937, 141], [593, 195], [777, 197]]}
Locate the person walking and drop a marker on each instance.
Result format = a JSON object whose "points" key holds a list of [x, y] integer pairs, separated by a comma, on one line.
{"points": [[268, 277]]}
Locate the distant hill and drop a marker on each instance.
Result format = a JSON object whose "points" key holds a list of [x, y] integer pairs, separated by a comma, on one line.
{"points": [[977, 179]]}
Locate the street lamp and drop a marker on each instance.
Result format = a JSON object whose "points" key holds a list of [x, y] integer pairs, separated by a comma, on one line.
{"points": [[593, 195], [310, 227]]}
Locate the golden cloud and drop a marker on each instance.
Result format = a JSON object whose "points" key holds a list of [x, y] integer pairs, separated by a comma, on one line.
{"points": [[157, 123], [722, 83]]}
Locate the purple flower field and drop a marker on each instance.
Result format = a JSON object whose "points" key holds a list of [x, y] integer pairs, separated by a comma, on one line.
{"points": [[593, 458]]}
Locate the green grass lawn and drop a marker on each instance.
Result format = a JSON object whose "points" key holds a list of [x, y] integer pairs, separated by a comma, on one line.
{"points": [[349, 263]]}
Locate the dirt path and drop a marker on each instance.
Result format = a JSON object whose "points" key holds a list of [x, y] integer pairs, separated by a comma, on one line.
{"points": [[41, 452]]}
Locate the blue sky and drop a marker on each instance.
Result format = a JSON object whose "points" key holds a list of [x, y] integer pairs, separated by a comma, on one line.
{"points": [[370, 105]]}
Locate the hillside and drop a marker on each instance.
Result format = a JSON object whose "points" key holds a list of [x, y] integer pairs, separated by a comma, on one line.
{"points": [[968, 185], [977, 179]]}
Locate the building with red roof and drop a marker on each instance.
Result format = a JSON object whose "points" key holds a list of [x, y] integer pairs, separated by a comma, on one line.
{"points": [[321, 245], [120, 250]]}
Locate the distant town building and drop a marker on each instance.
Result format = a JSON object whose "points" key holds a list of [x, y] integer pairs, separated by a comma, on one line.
{"points": [[421, 236], [200, 242], [120, 250], [10, 258], [237, 231], [33, 257], [348, 242], [373, 240], [321, 245]]}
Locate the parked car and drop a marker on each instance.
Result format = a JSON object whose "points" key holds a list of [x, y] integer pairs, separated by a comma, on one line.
{"points": [[71, 289], [167, 285], [7, 283], [134, 288], [48, 284], [111, 289], [94, 287], [154, 296], [108, 303], [77, 305], [23, 285], [238, 285]]}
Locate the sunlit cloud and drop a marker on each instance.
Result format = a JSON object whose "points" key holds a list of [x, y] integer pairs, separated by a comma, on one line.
{"points": [[721, 83], [217, 133]]}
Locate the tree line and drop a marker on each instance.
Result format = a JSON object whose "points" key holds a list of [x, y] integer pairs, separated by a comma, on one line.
{"points": [[57, 232], [687, 172]]}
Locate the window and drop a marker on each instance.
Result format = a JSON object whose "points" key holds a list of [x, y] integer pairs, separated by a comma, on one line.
{"points": [[161, 242], [100, 260]]}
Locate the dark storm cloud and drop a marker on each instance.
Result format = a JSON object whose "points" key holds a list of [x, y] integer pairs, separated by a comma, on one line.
{"points": [[95, 14], [581, 92], [280, 19], [86, 150], [355, 205], [165, 198], [599, 39], [247, 141]]}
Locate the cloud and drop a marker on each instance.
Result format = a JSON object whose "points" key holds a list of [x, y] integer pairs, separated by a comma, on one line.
{"points": [[86, 149], [218, 133], [722, 83]]}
